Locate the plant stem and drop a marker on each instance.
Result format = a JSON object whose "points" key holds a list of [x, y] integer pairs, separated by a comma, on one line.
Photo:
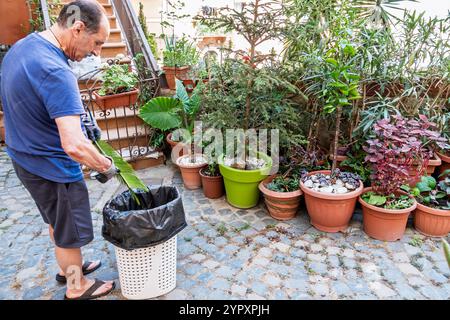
{"points": [[336, 137]]}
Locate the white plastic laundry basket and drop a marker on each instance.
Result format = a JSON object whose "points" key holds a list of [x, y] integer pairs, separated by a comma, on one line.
{"points": [[148, 272]]}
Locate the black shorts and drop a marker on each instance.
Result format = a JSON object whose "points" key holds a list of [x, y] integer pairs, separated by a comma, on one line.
{"points": [[65, 206]]}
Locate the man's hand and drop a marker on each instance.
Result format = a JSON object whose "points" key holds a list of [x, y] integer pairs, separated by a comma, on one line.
{"points": [[107, 175], [92, 130]]}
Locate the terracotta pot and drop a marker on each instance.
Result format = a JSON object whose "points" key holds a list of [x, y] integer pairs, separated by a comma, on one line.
{"points": [[281, 205], [189, 84], [15, 18], [2, 128], [116, 100], [432, 222], [175, 72], [445, 164], [212, 186], [190, 173], [432, 165], [385, 224], [330, 212]]}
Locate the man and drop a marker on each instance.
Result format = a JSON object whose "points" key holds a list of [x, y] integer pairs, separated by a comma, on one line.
{"points": [[45, 136]]}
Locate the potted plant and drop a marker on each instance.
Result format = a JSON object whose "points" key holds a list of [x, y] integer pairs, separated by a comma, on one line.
{"points": [[178, 57], [281, 195], [180, 111], [118, 87], [432, 216], [391, 154], [330, 196], [212, 181]]}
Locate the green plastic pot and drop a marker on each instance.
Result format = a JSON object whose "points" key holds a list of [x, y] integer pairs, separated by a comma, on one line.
{"points": [[241, 186]]}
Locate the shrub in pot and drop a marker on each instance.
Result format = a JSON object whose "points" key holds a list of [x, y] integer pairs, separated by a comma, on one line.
{"points": [[118, 87], [391, 153], [330, 196], [178, 57], [212, 181], [180, 111], [432, 216], [281, 195]]}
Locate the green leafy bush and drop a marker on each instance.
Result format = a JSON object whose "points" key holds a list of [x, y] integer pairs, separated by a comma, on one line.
{"points": [[117, 79], [284, 184], [180, 52]]}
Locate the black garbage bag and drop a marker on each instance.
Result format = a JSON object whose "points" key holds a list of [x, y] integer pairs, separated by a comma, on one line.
{"points": [[157, 217]]}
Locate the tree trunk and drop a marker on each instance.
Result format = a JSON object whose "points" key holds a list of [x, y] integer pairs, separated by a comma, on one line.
{"points": [[336, 137]]}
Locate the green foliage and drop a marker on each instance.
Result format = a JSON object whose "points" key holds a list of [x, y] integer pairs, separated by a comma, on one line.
{"points": [[127, 175], [117, 79], [212, 170], [179, 52], [416, 241], [284, 184], [446, 248], [388, 202], [431, 193], [161, 113]]}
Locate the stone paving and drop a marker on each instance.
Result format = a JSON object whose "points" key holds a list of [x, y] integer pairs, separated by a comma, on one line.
{"points": [[228, 253]]}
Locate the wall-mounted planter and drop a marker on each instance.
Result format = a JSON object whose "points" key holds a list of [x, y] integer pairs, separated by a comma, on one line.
{"points": [[116, 100]]}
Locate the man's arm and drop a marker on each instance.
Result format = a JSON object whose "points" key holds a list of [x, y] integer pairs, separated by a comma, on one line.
{"points": [[78, 147]]}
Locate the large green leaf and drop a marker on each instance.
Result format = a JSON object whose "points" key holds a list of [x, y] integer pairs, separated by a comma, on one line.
{"points": [[446, 251], [161, 113], [127, 175]]}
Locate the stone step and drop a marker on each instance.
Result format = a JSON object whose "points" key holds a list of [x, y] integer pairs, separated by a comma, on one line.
{"points": [[112, 49], [115, 36]]}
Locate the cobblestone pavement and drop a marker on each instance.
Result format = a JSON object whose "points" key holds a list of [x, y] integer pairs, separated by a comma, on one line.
{"points": [[227, 253]]}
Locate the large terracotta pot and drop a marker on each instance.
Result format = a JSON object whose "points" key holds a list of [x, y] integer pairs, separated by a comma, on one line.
{"points": [[432, 222], [213, 187], [116, 100], [445, 165], [330, 212], [173, 73], [281, 205], [190, 173], [384, 224]]}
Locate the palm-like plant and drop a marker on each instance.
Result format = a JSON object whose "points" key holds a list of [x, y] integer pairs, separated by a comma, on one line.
{"points": [[166, 113], [377, 12]]}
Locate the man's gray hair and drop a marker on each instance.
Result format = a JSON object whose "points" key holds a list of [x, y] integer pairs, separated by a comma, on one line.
{"points": [[90, 12]]}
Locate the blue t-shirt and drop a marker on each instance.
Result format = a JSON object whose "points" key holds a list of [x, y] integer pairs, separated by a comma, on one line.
{"points": [[37, 86]]}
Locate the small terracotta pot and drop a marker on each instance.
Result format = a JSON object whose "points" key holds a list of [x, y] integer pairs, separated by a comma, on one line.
{"points": [[173, 73], [330, 212], [432, 165], [445, 165], [212, 186], [190, 173], [385, 224], [116, 100], [281, 205], [432, 222], [172, 144]]}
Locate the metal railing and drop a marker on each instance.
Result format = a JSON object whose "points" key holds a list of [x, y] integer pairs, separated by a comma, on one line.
{"points": [[45, 14], [137, 43]]}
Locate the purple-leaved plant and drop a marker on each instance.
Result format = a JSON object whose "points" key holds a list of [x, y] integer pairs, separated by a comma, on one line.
{"points": [[398, 147]]}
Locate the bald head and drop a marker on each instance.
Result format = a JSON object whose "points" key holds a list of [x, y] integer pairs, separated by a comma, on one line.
{"points": [[90, 12]]}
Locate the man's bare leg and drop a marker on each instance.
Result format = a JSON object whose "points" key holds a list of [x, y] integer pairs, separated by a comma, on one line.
{"points": [[91, 266], [70, 262]]}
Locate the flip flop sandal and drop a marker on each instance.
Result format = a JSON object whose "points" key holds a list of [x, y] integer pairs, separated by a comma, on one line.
{"points": [[86, 271], [87, 295]]}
